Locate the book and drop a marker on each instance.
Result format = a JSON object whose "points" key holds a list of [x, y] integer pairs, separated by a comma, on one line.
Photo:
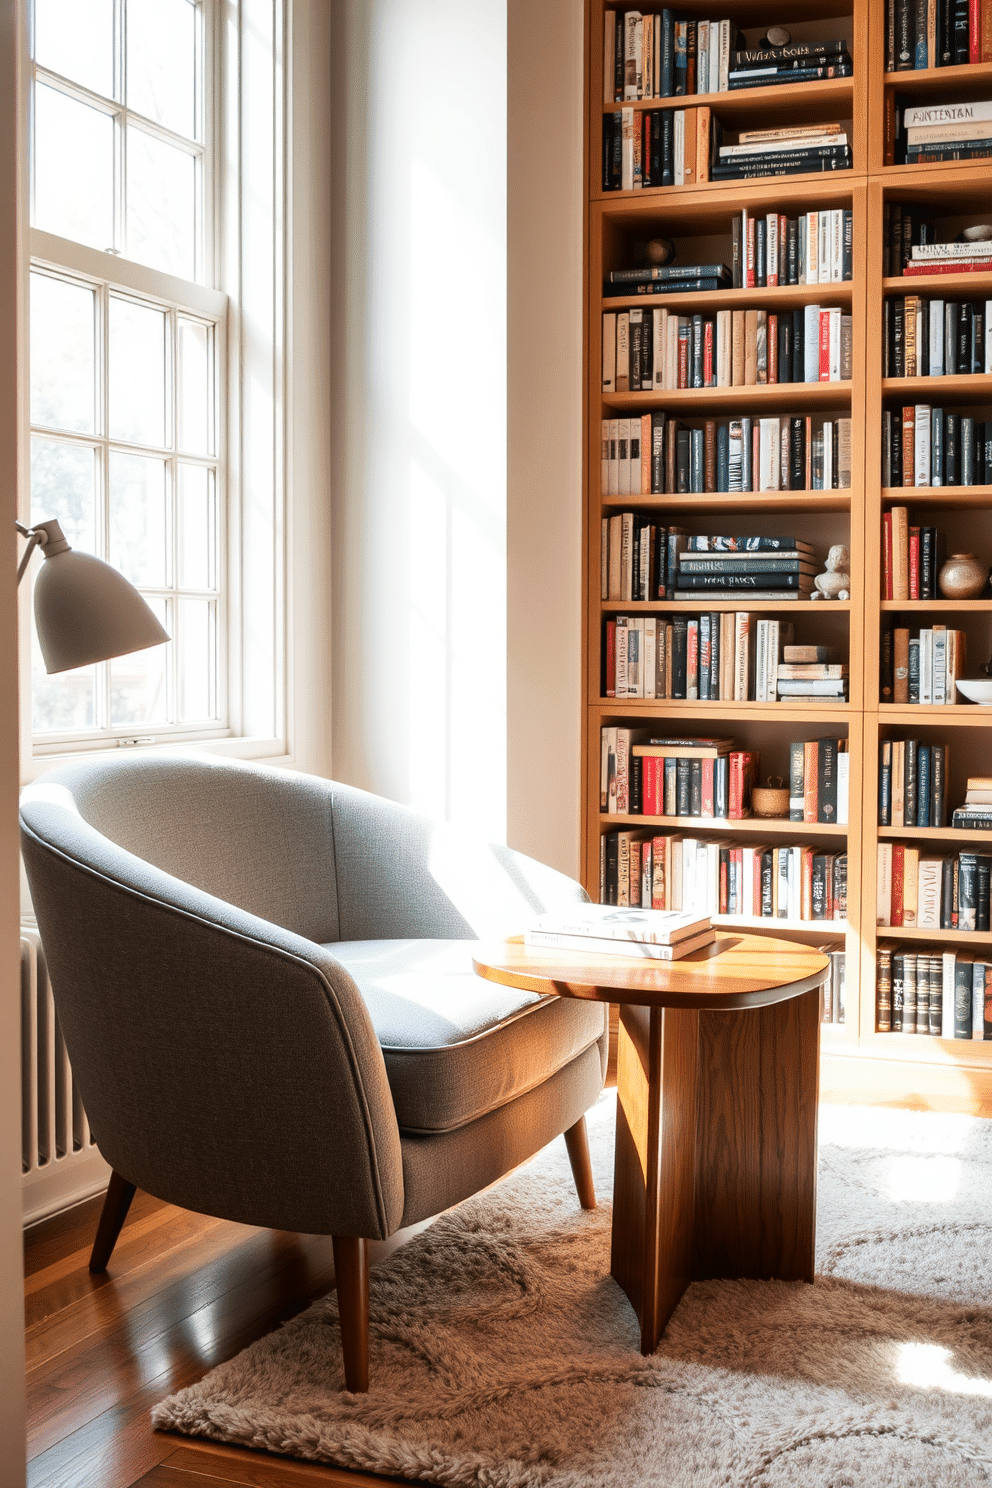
{"points": [[607, 946], [651, 926]]}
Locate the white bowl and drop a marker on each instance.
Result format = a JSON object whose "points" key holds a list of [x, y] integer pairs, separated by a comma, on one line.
{"points": [[976, 689]]}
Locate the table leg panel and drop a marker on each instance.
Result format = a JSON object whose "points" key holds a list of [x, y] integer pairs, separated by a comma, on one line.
{"points": [[756, 1153], [654, 1184]]}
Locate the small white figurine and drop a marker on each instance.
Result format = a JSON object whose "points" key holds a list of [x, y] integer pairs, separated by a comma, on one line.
{"points": [[836, 582]]}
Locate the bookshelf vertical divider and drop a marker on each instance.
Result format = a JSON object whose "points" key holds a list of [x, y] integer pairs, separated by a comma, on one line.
{"points": [[856, 1057]]}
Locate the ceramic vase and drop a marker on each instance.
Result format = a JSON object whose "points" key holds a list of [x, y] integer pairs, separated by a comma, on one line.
{"points": [[962, 576]]}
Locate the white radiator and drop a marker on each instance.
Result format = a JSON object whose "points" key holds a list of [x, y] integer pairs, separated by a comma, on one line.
{"points": [[60, 1162]]}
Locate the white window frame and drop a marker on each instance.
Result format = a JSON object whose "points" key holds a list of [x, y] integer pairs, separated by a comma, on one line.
{"points": [[248, 60]]}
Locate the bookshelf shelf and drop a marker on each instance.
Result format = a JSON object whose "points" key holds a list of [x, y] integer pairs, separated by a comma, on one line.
{"points": [[772, 397], [952, 937], [934, 606], [817, 712], [742, 601], [806, 185], [954, 497], [744, 103], [955, 715], [770, 297], [976, 286], [718, 502], [972, 385], [935, 834], [750, 826], [950, 82]]}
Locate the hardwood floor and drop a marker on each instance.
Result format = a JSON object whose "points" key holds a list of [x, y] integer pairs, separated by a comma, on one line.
{"points": [[182, 1293]]}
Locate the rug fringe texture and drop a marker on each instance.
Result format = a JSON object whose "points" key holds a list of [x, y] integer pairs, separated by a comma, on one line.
{"points": [[503, 1355]]}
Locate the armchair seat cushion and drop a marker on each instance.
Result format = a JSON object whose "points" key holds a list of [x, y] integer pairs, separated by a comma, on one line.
{"points": [[455, 1046]]}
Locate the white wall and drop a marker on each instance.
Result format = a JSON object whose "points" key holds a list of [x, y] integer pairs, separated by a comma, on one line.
{"points": [[12, 262], [419, 404]]}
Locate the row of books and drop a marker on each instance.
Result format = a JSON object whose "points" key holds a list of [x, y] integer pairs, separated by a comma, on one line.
{"points": [[922, 34], [666, 279], [913, 245], [912, 784], [921, 668], [662, 56], [772, 249], [927, 446], [711, 776], [924, 337], [944, 994], [911, 557], [813, 766], [644, 148], [718, 656], [791, 881], [658, 455], [932, 892], [649, 350]]}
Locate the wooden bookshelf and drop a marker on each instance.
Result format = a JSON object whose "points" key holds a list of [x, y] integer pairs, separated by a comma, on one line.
{"points": [[856, 1057]]}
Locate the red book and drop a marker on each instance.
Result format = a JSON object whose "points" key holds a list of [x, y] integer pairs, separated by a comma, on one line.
{"points": [[950, 266], [914, 562], [707, 802], [975, 30], [887, 555], [749, 279], [783, 241], [692, 659], [659, 887], [647, 787], [909, 445], [611, 658], [773, 348], [824, 345], [898, 880], [742, 769], [708, 378]]}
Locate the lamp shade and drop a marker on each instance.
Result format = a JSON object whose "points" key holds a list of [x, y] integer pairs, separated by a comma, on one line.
{"points": [[86, 611]]}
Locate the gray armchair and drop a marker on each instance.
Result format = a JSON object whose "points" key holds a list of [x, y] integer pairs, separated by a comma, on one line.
{"points": [[264, 983]]}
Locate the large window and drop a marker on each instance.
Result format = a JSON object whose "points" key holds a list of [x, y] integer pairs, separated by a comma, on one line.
{"points": [[127, 352]]}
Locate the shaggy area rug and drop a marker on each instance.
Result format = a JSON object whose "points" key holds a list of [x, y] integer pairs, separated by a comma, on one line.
{"points": [[504, 1355]]}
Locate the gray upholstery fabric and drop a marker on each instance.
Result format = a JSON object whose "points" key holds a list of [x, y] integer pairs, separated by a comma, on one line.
{"points": [[457, 1047], [190, 911]]}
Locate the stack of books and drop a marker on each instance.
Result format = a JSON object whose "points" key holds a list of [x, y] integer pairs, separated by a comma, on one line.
{"points": [[949, 258], [769, 572], [976, 813], [799, 62], [948, 131], [922, 337], [823, 681], [912, 784], [605, 929], [667, 279], [920, 34], [946, 994], [927, 446], [783, 152]]}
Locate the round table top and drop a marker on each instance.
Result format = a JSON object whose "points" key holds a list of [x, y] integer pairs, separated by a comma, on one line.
{"points": [[735, 971]]}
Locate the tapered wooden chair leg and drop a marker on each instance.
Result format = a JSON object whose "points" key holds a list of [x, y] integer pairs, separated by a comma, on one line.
{"points": [[351, 1270], [577, 1142], [112, 1217]]}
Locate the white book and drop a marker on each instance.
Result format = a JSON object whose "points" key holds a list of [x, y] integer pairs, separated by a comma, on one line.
{"points": [[632, 55], [614, 482], [837, 245], [823, 248], [742, 659], [936, 338], [921, 252], [812, 247], [607, 921], [659, 343], [627, 149], [811, 343], [948, 967], [835, 319], [678, 147], [843, 786], [621, 635], [604, 483], [593, 945], [714, 51], [940, 664], [761, 663], [747, 881], [926, 666], [703, 56], [883, 884], [769, 454], [724, 337], [649, 659], [762, 147], [921, 445], [723, 79], [609, 351], [928, 893], [948, 113]]}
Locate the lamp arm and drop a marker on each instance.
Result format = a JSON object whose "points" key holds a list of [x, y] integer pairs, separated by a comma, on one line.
{"points": [[36, 537]]}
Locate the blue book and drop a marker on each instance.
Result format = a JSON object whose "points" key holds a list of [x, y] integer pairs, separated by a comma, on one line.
{"points": [[924, 786]]}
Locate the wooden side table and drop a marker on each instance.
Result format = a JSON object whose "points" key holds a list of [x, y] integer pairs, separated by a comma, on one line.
{"points": [[717, 1086]]}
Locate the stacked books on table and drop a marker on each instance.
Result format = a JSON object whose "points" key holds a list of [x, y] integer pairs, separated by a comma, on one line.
{"points": [[783, 152], [949, 258], [799, 62], [606, 929], [766, 570], [948, 131], [976, 813]]}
